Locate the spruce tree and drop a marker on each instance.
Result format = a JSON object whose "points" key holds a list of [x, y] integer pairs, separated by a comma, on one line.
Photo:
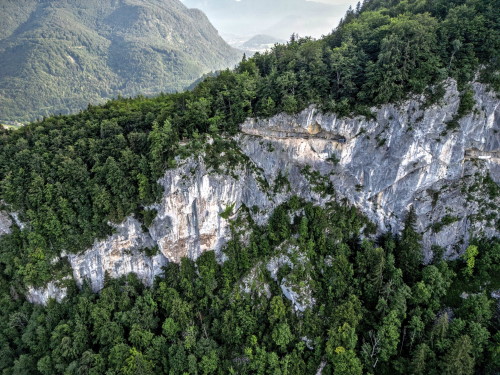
{"points": [[409, 255]]}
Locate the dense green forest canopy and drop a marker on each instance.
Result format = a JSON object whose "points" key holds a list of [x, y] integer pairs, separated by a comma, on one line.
{"points": [[68, 176], [375, 309]]}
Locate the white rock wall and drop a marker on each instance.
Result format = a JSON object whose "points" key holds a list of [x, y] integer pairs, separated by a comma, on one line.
{"points": [[385, 165], [41, 296], [120, 254], [189, 220], [392, 162]]}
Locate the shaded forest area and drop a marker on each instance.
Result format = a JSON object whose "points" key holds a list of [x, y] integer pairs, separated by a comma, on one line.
{"points": [[373, 309]]}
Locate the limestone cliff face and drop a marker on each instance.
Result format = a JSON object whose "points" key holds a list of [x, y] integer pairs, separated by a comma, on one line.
{"points": [[41, 296], [403, 157], [120, 254], [189, 217]]}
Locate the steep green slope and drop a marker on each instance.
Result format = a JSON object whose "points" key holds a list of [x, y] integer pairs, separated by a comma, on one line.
{"points": [[58, 56], [364, 314]]}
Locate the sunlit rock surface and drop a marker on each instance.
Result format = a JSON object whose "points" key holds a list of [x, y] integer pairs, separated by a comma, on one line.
{"points": [[122, 253], [41, 296], [403, 157]]}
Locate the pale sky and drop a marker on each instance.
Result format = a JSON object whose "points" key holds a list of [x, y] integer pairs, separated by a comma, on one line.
{"points": [[337, 2], [278, 18]]}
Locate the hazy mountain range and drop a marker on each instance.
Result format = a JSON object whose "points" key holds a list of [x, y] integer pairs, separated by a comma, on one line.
{"points": [[57, 56], [279, 18]]}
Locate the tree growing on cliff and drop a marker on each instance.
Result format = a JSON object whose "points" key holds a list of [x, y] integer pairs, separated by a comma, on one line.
{"points": [[409, 253]]}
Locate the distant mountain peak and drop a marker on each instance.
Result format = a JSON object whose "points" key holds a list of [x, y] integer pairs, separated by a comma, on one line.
{"points": [[280, 18], [58, 56]]}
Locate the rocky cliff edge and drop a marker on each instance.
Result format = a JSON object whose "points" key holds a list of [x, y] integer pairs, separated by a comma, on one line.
{"points": [[406, 155]]}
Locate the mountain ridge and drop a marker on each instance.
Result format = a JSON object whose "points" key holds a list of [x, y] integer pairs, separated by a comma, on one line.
{"points": [[60, 56], [279, 18]]}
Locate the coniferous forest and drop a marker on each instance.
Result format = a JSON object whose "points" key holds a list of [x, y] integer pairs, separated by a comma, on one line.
{"points": [[377, 308]]}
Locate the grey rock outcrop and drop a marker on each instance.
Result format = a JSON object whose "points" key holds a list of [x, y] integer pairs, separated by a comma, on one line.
{"points": [[41, 296], [5, 223], [387, 164], [404, 156], [120, 254], [189, 217], [299, 294]]}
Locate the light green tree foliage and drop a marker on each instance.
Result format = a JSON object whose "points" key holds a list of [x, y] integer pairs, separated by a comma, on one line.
{"points": [[345, 362], [137, 364], [282, 335], [470, 258], [459, 359], [407, 55]]}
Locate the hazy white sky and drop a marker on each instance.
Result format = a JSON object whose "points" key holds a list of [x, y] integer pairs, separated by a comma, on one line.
{"points": [[278, 18], [337, 2]]}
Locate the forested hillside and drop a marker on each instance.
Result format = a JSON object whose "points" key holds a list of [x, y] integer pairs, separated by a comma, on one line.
{"points": [[59, 56], [372, 309], [371, 306]]}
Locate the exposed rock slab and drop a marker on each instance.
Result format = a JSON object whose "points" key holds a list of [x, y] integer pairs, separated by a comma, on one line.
{"points": [[390, 163], [189, 217], [120, 254], [384, 165], [41, 296], [5, 223]]}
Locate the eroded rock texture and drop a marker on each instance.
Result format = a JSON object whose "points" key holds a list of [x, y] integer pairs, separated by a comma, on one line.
{"points": [[404, 156]]}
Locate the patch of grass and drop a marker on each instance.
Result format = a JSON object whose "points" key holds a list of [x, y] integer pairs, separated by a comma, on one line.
{"points": [[365, 111], [270, 147], [228, 211], [281, 183], [320, 184], [434, 95], [491, 187], [333, 159], [225, 157], [147, 217], [445, 221], [434, 194], [151, 251], [465, 107]]}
